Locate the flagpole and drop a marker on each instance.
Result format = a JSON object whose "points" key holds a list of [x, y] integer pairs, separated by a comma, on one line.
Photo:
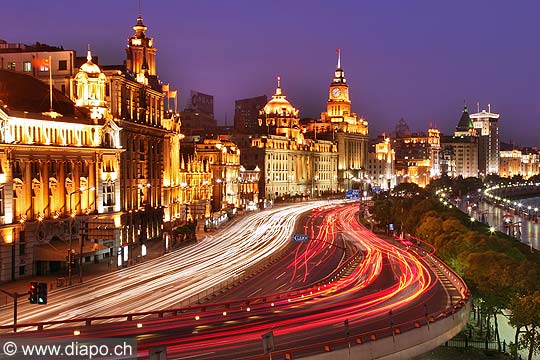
{"points": [[50, 83], [168, 98]]}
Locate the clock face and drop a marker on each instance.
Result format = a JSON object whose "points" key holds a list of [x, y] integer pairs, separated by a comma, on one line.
{"points": [[336, 92]]}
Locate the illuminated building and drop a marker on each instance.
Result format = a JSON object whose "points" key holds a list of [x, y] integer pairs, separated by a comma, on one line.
{"points": [[530, 162], [290, 164], [58, 174], [223, 158], [344, 127], [417, 155], [141, 53], [459, 154], [246, 114], [380, 170], [249, 187], [514, 161], [486, 124], [173, 196], [134, 98], [510, 163], [196, 190]]}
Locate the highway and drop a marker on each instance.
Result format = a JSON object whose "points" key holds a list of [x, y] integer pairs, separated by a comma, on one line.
{"points": [[167, 281], [301, 298]]}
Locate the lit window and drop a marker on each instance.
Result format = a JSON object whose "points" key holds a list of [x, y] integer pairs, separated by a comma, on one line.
{"points": [[11, 65], [27, 66], [108, 194]]}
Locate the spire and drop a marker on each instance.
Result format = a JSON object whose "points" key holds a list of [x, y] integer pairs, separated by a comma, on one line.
{"points": [[465, 123], [89, 54], [278, 90], [339, 74]]}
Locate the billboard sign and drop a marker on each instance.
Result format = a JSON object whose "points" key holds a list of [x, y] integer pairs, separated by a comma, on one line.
{"points": [[201, 102]]}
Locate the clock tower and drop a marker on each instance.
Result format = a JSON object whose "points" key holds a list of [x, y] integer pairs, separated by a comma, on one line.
{"points": [[338, 106], [346, 129]]}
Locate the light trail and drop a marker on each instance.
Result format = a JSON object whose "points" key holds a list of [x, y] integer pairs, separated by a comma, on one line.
{"points": [[388, 279], [166, 281]]}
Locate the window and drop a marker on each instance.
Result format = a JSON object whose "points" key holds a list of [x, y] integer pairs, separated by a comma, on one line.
{"points": [[22, 249], [108, 194], [21, 270], [62, 65], [11, 65], [27, 66]]}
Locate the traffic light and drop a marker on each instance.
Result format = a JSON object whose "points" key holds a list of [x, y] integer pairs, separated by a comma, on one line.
{"points": [[42, 293], [70, 258], [33, 292]]}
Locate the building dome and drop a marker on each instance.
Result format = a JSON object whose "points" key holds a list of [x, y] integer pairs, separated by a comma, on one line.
{"points": [[89, 67], [279, 104]]}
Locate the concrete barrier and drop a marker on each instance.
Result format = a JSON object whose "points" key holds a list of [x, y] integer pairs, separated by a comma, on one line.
{"points": [[405, 345]]}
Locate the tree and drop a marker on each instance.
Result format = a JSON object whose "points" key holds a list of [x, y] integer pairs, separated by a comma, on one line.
{"points": [[382, 212], [526, 319]]}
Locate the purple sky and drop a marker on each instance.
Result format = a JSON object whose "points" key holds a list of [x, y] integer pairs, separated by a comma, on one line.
{"points": [[413, 59]]}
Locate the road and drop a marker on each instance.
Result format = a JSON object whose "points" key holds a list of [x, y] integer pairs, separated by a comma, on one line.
{"points": [[167, 281], [384, 286]]}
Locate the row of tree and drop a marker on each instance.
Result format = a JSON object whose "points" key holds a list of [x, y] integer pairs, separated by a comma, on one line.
{"points": [[501, 272]]}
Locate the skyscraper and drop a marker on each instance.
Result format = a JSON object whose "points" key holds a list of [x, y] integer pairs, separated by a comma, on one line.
{"points": [[486, 124], [246, 114]]}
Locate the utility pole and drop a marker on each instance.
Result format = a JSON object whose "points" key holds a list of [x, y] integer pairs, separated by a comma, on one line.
{"points": [[15, 297]]}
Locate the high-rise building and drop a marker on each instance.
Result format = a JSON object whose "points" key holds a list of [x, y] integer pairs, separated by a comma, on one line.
{"points": [[246, 114], [486, 124]]}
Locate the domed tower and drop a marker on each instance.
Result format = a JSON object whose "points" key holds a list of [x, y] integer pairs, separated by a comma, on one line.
{"points": [[141, 53], [280, 117], [90, 88]]}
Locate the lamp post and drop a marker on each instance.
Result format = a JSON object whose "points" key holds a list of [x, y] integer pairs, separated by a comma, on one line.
{"points": [[71, 217]]}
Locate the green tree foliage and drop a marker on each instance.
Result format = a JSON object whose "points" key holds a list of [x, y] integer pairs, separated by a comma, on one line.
{"points": [[500, 271], [526, 318]]}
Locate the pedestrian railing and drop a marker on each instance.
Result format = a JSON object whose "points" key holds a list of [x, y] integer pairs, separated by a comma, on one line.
{"points": [[466, 342]]}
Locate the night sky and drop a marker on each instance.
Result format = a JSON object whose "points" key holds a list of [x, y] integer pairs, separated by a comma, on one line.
{"points": [[414, 59]]}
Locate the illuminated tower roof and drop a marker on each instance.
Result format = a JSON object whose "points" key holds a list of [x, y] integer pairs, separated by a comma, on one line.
{"points": [[89, 67], [465, 124], [89, 89], [140, 52], [279, 104]]}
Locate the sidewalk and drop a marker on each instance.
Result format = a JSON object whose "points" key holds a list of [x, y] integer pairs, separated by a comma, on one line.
{"points": [[90, 270]]}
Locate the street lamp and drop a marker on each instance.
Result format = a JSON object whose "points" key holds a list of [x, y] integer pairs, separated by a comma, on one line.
{"points": [[492, 230], [81, 190], [472, 221]]}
